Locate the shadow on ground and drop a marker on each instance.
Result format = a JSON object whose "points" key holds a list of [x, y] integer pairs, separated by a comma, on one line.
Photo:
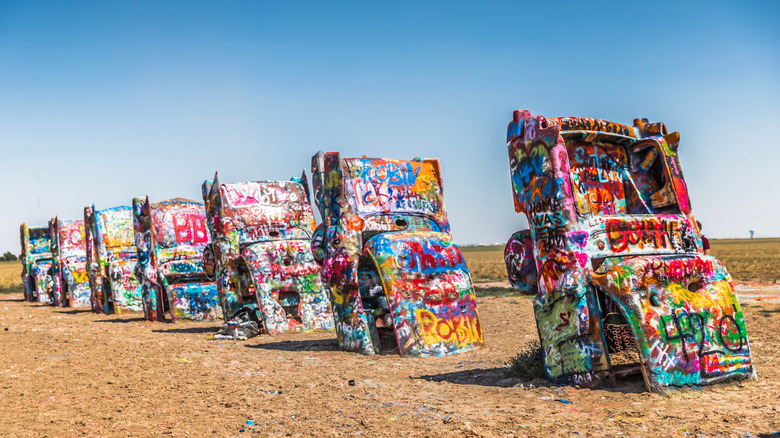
{"points": [[300, 345], [74, 311], [190, 330], [122, 320], [478, 376], [495, 377]]}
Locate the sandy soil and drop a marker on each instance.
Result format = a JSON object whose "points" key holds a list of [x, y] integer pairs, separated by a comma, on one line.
{"points": [[69, 372]]}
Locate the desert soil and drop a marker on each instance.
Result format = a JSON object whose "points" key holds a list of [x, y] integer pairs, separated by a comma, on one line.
{"points": [[68, 372]]}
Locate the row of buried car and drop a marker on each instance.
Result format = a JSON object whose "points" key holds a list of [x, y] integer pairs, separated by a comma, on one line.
{"points": [[613, 257]]}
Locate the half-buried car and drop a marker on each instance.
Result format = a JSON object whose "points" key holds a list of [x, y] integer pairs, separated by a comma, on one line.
{"points": [[261, 253], [397, 279], [170, 237], [614, 257]]}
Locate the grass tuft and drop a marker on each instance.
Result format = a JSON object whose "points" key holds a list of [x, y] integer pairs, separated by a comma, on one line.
{"points": [[528, 364], [11, 289], [498, 292]]}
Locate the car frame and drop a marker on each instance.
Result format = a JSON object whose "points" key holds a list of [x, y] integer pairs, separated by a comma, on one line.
{"points": [[36, 262], [261, 253], [170, 237], [111, 260], [397, 279], [622, 283], [69, 268]]}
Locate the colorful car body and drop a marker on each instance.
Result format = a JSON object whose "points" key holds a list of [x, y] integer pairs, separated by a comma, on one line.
{"points": [[170, 237], [261, 251], [111, 259], [396, 277], [36, 262], [69, 267], [618, 257]]}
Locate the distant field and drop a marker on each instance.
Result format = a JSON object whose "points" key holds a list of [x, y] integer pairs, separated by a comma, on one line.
{"points": [[745, 259], [486, 263], [10, 276], [749, 259]]}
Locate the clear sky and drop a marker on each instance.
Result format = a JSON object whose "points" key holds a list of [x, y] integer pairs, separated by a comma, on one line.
{"points": [[111, 100]]}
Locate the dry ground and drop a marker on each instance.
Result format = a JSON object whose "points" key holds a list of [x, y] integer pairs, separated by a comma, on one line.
{"points": [[67, 372]]}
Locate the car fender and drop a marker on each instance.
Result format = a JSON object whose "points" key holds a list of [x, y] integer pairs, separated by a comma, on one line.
{"points": [[429, 292]]}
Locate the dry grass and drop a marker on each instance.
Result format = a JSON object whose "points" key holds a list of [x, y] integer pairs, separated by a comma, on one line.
{"points": [[486, 263], [745, 259], [749, 259], [10, 276]]}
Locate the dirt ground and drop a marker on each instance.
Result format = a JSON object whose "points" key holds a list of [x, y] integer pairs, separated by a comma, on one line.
{"points": [[66, 372]]}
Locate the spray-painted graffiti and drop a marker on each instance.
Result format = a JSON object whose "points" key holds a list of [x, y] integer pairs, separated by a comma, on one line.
{"points": [[69, 267], [170, 238], [381, 186], [289, 286], [261, 250], [429, 292], [396, 278], [692, 326], [520, 262], [111, 260], [617, 257], [36, 263]]}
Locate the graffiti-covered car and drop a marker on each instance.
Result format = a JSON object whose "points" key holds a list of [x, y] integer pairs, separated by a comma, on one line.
{"points": [[70, 282], [36, 262], [111, 259], [397, 279], [615, 257], [261, 248], [170, 237]]}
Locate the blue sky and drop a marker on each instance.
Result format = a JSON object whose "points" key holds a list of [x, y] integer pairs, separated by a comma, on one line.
{"points": [[110, 100]]}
